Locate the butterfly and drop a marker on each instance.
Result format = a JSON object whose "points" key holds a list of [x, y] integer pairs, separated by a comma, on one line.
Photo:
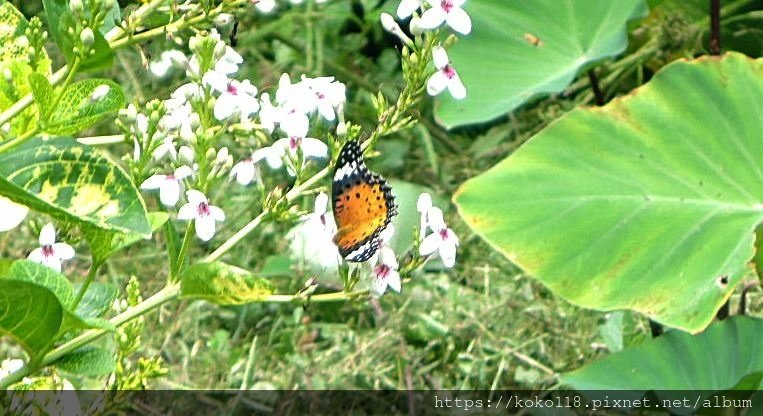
{"points": [[363, 205]]}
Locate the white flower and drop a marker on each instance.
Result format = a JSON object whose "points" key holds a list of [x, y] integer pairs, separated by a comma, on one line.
{"points": [[245, 171], [269, 114], [445, 77], [312, 240], [168, 59], [265, 6], [166, 148], [295, 98], [448, 11], [407, 7], [423, 205], [328, 95], [51, 253], [229, 62], [12, 214], [236, 97], [443, 239], [169, 186], [204, 214], [385, 273]]}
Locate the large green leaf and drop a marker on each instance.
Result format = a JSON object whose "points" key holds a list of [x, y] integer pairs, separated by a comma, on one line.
{"points": [[728, 355], [97, 299], [29, 313], [44, 276], [223, 284], [649, 203], [519, 50], [104, 243], [73, 182]]}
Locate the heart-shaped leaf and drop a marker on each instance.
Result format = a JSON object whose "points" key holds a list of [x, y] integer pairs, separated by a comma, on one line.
{"points": [[519, 50], [648, 203], [74, 183]]}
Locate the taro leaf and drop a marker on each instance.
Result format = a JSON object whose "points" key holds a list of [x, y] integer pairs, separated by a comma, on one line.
{"points": [[104, 243], [29, 271], [648, 203], [77, 110], [30, 314], [72, 182], [729, 355], [519, 50], [97, 299], [223, 284], [88, 361]]}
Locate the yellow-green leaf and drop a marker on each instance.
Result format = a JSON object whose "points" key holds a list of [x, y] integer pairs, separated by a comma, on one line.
{"points": [[223, 284]]}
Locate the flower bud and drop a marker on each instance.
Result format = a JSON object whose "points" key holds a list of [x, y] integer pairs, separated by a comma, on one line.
{"points": [[87, 37], [388, 23], [76, 6], [416, 26], [341, 129], [222, 156], [219, 50], [185, 155], [130, 113], [210, 155]]}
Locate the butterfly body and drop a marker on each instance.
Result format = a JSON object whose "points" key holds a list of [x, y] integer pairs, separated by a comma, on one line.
{"points": [[363, 205]]}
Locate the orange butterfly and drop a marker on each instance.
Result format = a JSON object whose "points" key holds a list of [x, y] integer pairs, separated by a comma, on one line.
{"points": [[363, 205]]}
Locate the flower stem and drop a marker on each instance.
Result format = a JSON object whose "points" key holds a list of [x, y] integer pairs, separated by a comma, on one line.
{"points": [[90, 276], [187, 238]]}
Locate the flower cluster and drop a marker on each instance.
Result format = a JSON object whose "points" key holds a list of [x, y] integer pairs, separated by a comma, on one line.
{"points": [[442, 239], [234, 103], [429, 15]]}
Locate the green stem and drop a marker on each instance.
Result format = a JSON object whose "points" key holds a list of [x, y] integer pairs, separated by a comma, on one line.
{"points": [[90, 276], [187, 238]]}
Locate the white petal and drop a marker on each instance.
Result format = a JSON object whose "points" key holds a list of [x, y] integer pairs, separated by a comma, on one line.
{"points": [[63, 251], [295, 125], [12, 214], [378, 286], [459, 21], [154, 182], [183, 172], [225, 106], [424, 202], [217, 213], [429, 244], [407, 7], [321, 202], [187, 212], [435, 219], [205, 228], [437, 83], [433, 18], [36, 255], [160, 68], [387, 256], [314, 147], [169, 193], [243, 172], [448, 254], [195, 197], [440, 57], [265, 6], [386, 235], [456, 88], [52, 262], [260, 154], [393, 281], [47, 235], [326, 110]]}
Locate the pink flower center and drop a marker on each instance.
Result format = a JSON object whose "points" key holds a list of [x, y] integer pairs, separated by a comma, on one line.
{"points": [[446, 5], [449, 71], [323, 219], [203, 209], [170, 177], [444, 234], [232, 89], [294, 142], [382, 271], [320, 95], [47, 251], [249, 160]]}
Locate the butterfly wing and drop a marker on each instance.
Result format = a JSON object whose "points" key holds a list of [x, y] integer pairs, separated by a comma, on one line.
{"points": [[363, 205]]}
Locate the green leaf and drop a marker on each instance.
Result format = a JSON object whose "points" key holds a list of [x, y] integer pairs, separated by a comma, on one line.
{"points": [[72, 182], [88, 361], [43, 94], [29, 271], [30, 314], [223, 284], [104, 243], [77, 110], [12, 24], [520, 50], [97, 299], [728, 355], [648, 203]]}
